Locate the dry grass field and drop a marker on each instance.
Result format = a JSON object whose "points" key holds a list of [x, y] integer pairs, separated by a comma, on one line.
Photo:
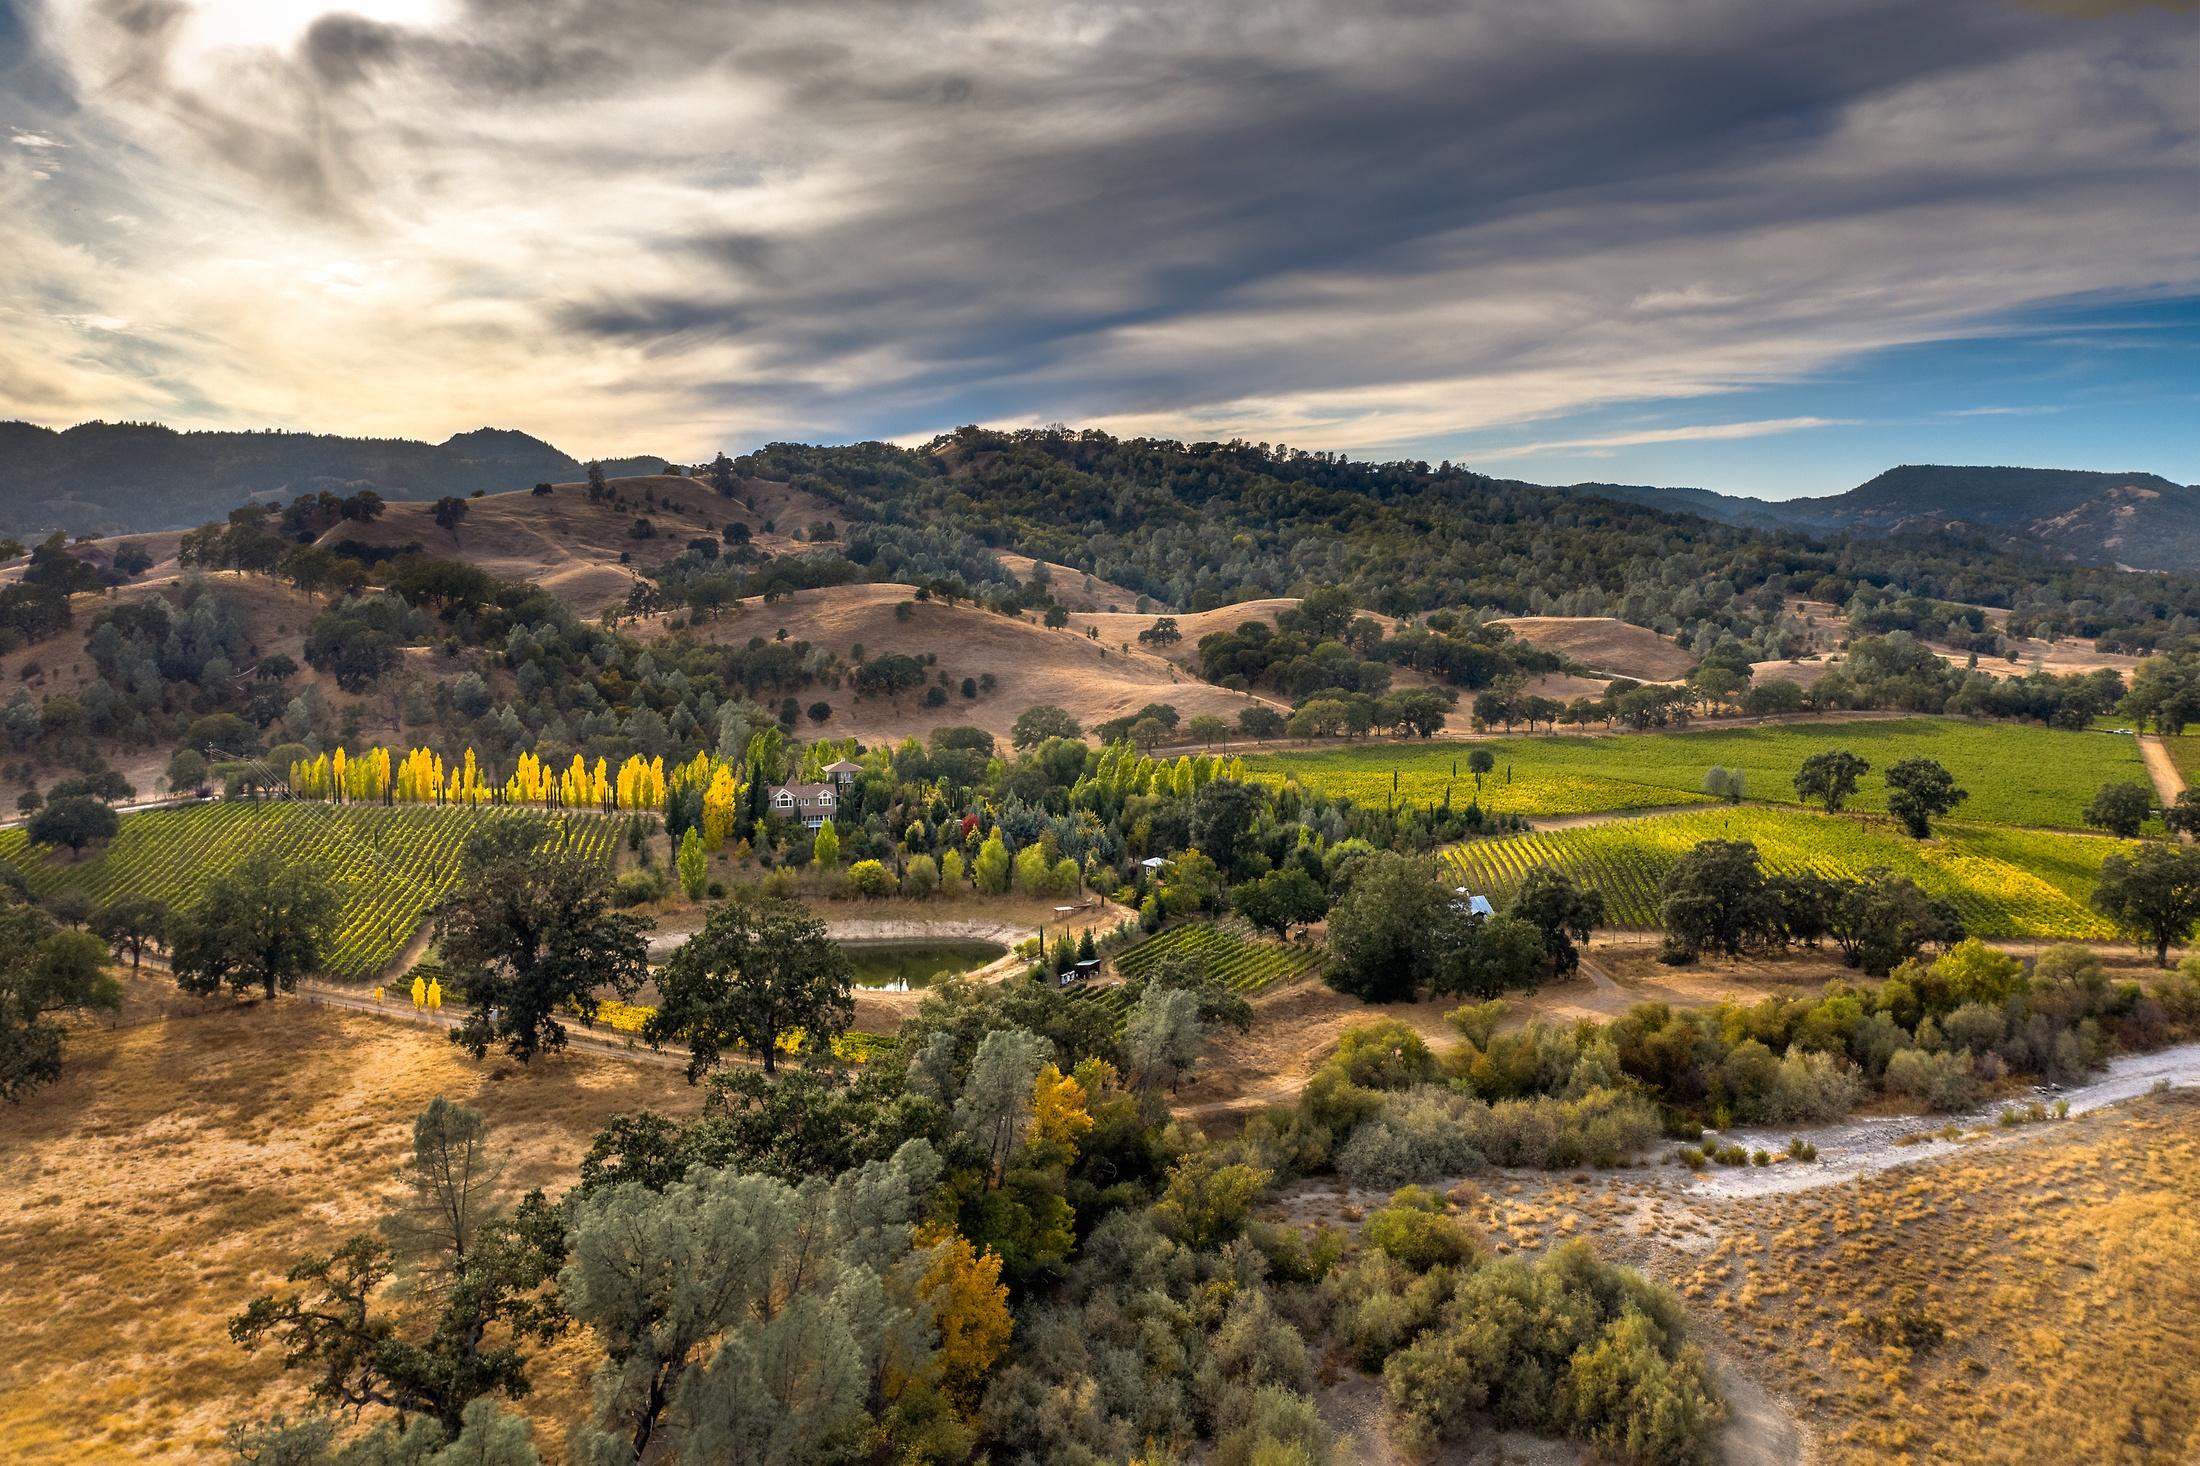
{"points": [[1092, 680], [1602, 644], [2030, 1298], [181, 1166]]}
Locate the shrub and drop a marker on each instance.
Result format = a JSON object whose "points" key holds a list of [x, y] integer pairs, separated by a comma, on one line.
{"points": [[870, 880], [1943, 1081], [1812, 1086], [1292, 1256], [920, 878], [1568, 1345], [1416, 1139], [1415, 1230], [640, 887], [1601, 1128], [1428, 1133], [1284, 1428], [1975, 1026], [1378, 1304]]}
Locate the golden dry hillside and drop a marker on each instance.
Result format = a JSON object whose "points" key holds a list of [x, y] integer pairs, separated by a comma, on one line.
{"points": [[1093, 680], [571, 547], [1602, 644], [272, 1131]]}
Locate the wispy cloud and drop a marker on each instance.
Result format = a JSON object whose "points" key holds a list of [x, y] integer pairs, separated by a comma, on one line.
{"points": [[2040, 411], [627, 222], [1700, 433]]}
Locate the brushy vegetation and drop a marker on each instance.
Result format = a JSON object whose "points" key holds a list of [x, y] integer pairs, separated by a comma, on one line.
{"points": [[2004, 882], [388, 866], [1386, 1110]]}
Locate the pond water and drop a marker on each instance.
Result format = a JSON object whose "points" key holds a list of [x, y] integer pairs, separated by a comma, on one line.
{"points": [[901, 967]]}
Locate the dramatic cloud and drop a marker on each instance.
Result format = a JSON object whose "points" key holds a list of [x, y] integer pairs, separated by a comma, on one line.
{"points": [[635, 223]]}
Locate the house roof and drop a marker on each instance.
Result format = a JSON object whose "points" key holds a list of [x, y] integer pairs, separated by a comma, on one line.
{"points": [[804, 791], [844, 766]]}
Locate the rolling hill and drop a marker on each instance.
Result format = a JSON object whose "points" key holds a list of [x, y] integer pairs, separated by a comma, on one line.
{"points": [[2138, 520], [108, 478]]}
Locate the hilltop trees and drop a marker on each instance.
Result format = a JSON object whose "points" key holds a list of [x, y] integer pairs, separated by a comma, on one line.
{"points": [[528, 932], [757, 974], [265, 921]]}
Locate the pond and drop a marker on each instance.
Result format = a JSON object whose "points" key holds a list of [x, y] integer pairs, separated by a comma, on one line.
{"points": [[900, 967]]}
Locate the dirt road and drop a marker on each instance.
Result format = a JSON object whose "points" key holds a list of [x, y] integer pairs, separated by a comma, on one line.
{"points": [[398, 1007], [2161, 768]]}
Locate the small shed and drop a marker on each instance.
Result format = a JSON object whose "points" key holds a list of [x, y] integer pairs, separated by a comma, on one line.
{"points": [[1472, 904]]}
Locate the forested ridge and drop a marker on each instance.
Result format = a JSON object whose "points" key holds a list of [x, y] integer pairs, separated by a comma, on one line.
{"points": [[1203, 525]]}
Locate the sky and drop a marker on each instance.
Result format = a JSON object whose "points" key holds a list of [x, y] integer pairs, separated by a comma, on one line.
{"points": [[1764, 249]]}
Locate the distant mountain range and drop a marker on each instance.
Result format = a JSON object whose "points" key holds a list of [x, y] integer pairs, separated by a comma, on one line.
{"points": [[132, 477], [2138, 520], [106, 478]]}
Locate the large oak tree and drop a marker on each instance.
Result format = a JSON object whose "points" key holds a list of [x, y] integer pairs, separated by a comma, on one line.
{"points": [[528, 932], [755, 973]]}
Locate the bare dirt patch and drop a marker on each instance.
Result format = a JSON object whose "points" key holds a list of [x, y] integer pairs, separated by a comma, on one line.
{"points": [[181, 1166]]}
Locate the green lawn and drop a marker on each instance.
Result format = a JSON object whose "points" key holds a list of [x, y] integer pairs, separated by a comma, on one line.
{"points": [[2006, 882], [2016, 774]]}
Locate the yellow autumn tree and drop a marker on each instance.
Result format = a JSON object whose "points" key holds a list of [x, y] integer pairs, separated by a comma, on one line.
{"points": [[1059, 1118], [971, 1304]]}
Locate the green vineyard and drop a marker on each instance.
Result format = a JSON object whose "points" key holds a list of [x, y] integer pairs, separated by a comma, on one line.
{"points": [[1242, 964], [2006, 882], [2016, 774], [388, 865]]}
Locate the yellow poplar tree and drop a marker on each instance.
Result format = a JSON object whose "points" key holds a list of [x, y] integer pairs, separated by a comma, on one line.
{"points": [[972, 1314], [1059, 1118], [721, 806]]}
